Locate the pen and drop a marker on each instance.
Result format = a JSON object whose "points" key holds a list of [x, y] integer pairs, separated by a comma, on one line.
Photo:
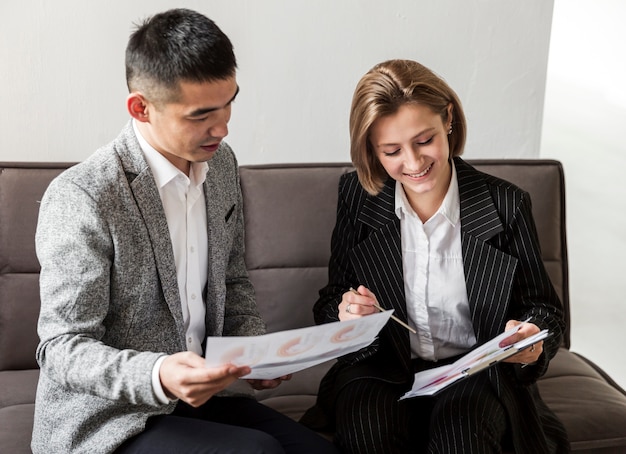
{"points": [[396, 319]]}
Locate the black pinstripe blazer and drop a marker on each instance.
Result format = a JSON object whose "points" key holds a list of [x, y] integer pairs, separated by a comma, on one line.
{"points": [[505, 279]]}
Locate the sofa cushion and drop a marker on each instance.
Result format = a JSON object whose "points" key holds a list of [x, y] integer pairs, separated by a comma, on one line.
{"points": [[18, 387], [587, 404], [16, 427]]}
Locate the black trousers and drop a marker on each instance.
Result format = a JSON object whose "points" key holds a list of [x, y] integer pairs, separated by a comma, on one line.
{"points": [[465, 418], [225, 425]]}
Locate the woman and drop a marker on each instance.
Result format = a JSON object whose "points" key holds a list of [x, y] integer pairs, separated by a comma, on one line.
{"points": [[454, 252]]}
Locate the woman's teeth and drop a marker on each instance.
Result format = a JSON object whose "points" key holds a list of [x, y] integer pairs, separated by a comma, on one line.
{"points": [[421, 174]]}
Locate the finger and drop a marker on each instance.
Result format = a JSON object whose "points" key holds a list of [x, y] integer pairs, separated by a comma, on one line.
{"points": [[349, 306], [344, 308], [370, 301], [216, 375], [189, 359], [527, 356], [513, 338], [196, 385], [364, 291], [536, 350], [528, 329], [356, 309], [238, 371], [525, 330]]}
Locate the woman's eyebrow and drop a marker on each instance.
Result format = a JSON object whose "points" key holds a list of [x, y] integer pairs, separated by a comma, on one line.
{"points": [[427, 130]]}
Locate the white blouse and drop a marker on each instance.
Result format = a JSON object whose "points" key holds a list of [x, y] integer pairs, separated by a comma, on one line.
{"points": [[434, 279]]}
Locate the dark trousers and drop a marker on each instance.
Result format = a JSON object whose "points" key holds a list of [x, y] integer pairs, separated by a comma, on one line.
{"points": [[465, 418], [225, 425]]}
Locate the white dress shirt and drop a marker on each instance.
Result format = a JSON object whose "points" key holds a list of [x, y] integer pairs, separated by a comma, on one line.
{"points": [[434, 279], [185, 212]]}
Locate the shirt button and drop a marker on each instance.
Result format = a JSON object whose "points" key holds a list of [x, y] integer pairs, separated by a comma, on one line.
{"points": [[193, 296], [192, 249]]}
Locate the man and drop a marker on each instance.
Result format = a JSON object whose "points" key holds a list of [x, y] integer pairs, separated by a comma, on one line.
{"points": [[141, 252]]}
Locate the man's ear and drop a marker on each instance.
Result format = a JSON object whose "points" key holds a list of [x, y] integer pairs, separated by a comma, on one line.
{"points": [[137, 107]]}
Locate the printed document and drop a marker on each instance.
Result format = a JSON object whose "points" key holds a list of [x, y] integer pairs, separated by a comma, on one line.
{"points": [[276, 354], [431, 381]]}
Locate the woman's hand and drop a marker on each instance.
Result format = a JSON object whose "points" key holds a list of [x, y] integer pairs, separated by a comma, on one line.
{"points": [[528, 355], [357, 303]]}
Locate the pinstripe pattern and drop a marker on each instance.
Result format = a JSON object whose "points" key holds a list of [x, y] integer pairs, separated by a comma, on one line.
{"points": [[505, 279], [374, 432], [474, 402]]}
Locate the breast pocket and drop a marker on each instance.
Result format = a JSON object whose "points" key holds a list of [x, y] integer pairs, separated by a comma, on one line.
{"points": [[229, 214]]}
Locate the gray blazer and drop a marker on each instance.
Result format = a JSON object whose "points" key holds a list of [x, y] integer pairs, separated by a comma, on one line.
{"points": [[110, 303]]}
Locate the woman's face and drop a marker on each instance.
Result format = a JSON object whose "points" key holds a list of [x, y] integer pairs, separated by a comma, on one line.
{"points": [[412, 146]]}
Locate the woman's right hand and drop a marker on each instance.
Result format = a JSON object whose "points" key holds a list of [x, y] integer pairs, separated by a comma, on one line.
{"points": [[357, 303]]}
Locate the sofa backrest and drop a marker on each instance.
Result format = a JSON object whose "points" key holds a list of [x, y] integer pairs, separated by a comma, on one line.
{"points": [[290, 211], [21, 188], [289, 215]]}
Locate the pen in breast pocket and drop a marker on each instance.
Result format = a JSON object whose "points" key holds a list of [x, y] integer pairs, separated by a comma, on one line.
{"points": [[396, 319]]}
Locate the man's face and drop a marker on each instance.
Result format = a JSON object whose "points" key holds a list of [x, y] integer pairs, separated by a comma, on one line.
{"points": [[191, 128]]}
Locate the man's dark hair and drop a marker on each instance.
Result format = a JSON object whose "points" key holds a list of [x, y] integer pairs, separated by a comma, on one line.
{"points": [[174, 46]]}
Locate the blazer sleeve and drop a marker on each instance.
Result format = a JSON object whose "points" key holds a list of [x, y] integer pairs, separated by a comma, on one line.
{"points": [[75, 250], [533, 295], [341, 275]]}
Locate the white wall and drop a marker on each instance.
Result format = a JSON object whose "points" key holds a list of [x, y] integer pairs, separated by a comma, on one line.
{"points": [[585, 120], [62, 87]]}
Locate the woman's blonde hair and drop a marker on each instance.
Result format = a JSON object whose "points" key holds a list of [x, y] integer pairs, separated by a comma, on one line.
{"points": [[381, 92]]}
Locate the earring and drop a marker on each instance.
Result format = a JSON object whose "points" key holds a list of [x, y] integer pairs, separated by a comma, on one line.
{"points": [[450, 130]]}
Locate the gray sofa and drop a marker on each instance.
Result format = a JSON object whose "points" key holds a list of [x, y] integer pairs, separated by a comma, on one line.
{"points": [[290, 212]]}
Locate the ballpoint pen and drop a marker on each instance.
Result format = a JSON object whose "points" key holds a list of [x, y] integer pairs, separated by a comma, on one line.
{"points": [[396, 319]]}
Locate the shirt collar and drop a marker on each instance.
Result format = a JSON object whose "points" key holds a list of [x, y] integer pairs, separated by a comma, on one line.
{"points": [[450, 208], [163, 170]]}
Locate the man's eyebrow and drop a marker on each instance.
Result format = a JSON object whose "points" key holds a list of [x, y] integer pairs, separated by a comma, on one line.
{"points": [[206, 110]]}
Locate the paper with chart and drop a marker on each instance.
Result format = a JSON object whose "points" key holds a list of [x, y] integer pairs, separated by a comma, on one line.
{"points": [[431, 381], [277, 354]]}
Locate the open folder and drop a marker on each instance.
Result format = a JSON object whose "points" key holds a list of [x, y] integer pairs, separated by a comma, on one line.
{"points": [[277, 354], [431, 381]]}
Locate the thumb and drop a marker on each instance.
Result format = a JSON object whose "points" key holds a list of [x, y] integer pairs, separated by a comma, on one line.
{"points": [[512, 324], [363, 290]]}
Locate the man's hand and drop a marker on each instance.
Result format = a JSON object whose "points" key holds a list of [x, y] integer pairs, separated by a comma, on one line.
{"points": [[268, 384], [185, 376], [528, 355]]}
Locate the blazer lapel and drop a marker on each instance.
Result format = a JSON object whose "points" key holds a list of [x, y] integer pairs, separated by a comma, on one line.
{"points": [[378, 261], [148, 201], [215, 229], [489, 272]]}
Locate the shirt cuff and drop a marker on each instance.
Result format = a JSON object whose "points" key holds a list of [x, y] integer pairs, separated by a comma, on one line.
{"points": [[156, 382]]}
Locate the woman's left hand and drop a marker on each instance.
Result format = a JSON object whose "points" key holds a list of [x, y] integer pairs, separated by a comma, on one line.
{"points": [[528, 355]]}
